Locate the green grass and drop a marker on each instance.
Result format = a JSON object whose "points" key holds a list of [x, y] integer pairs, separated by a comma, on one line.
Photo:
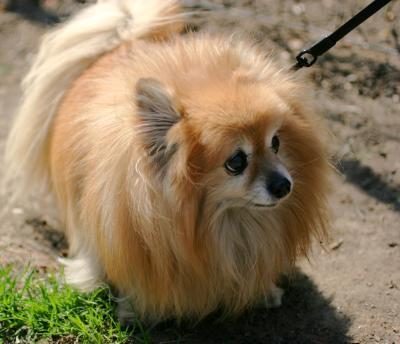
{"points": [[34, 306]]}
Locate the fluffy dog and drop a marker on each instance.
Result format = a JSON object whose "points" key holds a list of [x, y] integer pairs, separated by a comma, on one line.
{"points": [[189, 173]]}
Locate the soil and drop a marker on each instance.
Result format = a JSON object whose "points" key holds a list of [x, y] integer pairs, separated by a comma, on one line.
{"points": [[349, 292]]}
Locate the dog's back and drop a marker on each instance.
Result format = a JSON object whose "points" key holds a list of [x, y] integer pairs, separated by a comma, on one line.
{"points": [[63, 55]]}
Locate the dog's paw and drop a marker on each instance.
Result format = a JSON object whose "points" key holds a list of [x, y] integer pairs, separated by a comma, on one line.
{"points": [[274, 298], [125, 312]]}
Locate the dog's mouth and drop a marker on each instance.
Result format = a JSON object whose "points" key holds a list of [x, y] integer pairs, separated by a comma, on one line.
{"points": [[260, 205]]}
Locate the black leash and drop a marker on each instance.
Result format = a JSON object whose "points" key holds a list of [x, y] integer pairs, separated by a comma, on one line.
{"points": [[307, 57]]}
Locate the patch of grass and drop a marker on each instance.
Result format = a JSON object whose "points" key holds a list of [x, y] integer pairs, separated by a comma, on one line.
{"points": [[34, 306]]}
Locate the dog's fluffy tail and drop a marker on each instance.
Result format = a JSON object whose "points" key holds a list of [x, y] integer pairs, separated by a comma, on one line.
{"points": [[64, 54]]}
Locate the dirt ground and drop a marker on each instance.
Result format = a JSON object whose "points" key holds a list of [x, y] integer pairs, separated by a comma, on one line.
{"points": [[350, 292]]}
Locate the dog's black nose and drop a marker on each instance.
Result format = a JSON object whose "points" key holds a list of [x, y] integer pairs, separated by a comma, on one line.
{"points": [[278, 185]]}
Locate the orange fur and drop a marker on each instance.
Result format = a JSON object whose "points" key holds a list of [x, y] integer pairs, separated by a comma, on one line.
{"points": [[157, 217]]}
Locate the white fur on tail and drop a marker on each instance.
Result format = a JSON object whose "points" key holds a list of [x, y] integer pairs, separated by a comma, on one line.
{"points": [[64, 54]]}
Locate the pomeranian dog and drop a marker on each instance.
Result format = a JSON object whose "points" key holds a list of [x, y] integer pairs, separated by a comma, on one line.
{"points": [[188, 170]]}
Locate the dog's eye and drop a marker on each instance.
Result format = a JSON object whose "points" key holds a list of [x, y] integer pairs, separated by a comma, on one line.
{"points": [[237, 163], [275, 144]]}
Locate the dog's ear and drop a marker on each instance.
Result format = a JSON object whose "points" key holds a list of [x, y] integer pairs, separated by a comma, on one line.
{"points": [[157, 114]]}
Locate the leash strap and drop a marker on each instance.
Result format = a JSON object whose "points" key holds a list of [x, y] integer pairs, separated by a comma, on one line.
{"points": [[307, 57]]}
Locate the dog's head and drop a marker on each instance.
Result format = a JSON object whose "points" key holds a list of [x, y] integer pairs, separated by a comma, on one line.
{"points": [[243, 143]]}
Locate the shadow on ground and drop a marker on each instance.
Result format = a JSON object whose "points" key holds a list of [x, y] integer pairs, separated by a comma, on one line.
{"points": [[306, 316], [31, 10], [370, 182]]}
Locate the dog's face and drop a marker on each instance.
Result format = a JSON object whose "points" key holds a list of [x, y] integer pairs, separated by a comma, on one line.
{"points": [[242, 142], [242, 146], [254, 174]]}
